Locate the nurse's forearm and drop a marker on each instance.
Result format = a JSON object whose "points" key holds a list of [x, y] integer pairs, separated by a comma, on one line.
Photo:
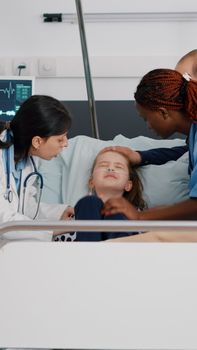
{"points": [[186, 210]]}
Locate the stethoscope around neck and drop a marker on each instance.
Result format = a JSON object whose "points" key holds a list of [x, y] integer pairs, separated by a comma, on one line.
{"points": [[9, 193]]}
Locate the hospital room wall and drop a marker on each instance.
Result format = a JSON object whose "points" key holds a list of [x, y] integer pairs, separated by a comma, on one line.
{"points": [[120, 53]]}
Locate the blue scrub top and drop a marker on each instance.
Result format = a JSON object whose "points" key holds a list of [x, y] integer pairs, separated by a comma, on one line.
{"points": [[193, 161]]}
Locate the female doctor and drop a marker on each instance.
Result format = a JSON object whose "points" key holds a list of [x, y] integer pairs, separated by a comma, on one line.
{"points": [[38, 130]]}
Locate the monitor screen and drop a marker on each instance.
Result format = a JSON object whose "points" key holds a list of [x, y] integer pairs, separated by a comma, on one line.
{"points": [[13, 92]]}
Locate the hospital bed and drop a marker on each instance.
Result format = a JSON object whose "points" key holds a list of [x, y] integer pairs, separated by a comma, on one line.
{"points": [[100, 295]]}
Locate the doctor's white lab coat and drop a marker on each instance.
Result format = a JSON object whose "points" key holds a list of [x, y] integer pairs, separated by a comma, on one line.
{"points": [[13, 211]]}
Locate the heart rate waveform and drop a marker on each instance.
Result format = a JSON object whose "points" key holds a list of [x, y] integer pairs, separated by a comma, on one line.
{"points": [[9, 91], [13, 92]]}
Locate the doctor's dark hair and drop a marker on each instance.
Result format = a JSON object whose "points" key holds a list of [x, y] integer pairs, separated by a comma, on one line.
{"points": [[169, 89], [39, 115]]}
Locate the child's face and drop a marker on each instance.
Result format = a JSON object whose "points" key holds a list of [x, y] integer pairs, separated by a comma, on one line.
{"points": [[111, 173]]}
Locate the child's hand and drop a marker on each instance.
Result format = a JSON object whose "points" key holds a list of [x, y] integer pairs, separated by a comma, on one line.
{"points": [[120, 206], [133, 156], [68, 214]]}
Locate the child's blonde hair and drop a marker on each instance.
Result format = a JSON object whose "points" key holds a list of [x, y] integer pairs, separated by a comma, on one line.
{"points": [[134, 196]]}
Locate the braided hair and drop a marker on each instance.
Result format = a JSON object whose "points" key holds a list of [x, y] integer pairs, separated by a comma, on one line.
{"points": [[169, 89]]}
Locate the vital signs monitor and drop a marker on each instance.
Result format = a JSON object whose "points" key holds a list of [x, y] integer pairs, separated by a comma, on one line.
{"points": [[14, 90]]}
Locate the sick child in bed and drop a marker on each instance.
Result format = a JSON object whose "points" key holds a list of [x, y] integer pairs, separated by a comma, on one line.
{"points": [[112, 176]]}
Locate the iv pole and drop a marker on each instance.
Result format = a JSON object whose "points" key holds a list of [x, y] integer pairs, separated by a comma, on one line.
{"points": [[89, 87]]}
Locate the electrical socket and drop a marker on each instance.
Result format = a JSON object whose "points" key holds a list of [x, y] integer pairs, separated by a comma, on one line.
{"points": [[47, 66], [26, 61]]}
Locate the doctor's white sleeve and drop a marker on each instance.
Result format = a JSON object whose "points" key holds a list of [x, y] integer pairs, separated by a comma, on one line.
{"points": [[51, 211], [8, 212], [46, 210]]}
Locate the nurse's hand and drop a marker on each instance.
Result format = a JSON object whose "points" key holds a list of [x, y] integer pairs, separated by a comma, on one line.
{"points": [[120, 206], [68, 214], [133, 156]]}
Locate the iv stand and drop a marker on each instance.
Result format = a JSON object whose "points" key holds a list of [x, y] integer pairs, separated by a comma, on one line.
{"points": [[90, 92]]}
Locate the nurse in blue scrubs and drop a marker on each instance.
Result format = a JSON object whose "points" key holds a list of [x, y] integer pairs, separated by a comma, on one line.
{"points": [[167, 101]]}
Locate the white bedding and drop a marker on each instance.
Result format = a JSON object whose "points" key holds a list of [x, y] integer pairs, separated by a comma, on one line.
{"points": [[66, 176]]}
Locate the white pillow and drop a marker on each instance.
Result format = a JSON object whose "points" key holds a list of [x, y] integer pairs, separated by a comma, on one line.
{"points": [[167, 183], [66, 176]]}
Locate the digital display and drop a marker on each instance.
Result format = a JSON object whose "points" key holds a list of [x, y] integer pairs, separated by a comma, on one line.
{"points": [[13, 92]]}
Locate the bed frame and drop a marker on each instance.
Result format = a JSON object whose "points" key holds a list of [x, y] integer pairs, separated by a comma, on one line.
{"points": [[98, 295]]}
